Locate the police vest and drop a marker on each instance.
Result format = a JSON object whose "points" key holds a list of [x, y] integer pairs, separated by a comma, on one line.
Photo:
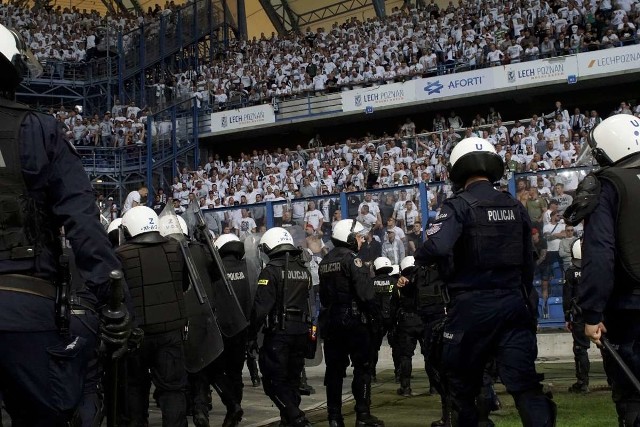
{"points": [[430, 286], [22, 217], [493, 239], [627, 184], [293, 284], [383, 287], [154, 274], [238, 277]]}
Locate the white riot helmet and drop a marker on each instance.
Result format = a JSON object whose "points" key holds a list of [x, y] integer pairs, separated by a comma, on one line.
{"points": [[615, 139], [382, 265], [16, 59], [139, 220], [168, 226], [114, 225], [277, 240], [113, 231], [576, 253], [474, 156], [407, 263], [395, 270], [345, 232], [229, 244]]}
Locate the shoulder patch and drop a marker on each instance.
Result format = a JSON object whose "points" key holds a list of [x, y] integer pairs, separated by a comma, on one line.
{"points": [[433, 229], [263, 282], [442, 216], [357, 262]]}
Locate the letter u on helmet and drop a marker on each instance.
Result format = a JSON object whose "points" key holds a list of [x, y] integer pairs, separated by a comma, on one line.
{"points": [[277, 240], [474, 157], [16, 59], [382, 265], [139, 220], [615, 139]]}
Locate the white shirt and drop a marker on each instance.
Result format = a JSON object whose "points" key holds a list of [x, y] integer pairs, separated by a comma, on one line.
{"points": [[132, 197]]}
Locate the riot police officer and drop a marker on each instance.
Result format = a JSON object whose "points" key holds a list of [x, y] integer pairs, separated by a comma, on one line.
{"points": [[488, 284], [44, 187], [349, 307], [574, 321], [225, 372], [383, 288], [609, 291], [154, 269], [282, 306], [409, 328], [425, 285]]}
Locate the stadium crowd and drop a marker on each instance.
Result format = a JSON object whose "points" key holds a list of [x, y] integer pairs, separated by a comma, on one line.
{"points": [[409, 43], [549, 142]]}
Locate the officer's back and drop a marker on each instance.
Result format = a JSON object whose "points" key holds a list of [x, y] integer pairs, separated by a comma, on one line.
{"points": [[154, 269], [491, 251]]}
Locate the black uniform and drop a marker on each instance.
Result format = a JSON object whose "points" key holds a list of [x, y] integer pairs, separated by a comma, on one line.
{"points": [[348, 302], [580, 341], [488, 314], [408, 331], [282, 306], [610, 288], [383, 288], [225, 372], [154, 269], [44, 187]]}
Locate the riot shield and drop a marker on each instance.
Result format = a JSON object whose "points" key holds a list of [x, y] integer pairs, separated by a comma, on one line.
{"points": [[229, 313], [254, 258], [299, 236], [204, 339]]}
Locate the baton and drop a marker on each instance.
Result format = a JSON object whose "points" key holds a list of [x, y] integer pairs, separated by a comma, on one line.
{"points": [[616, 356], [114, 310]]}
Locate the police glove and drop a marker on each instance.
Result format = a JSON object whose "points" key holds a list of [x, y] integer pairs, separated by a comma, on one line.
{"points": [[115, 333]]}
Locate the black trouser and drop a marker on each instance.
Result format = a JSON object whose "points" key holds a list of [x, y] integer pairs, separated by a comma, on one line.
{"points": [[409, 332], [162, 355], [85, 323], [379, 330], [487, 324], [346, 340], [580, 346], [623, 331], [281, 363], [430, 321], [224, 373], [41, 376]]}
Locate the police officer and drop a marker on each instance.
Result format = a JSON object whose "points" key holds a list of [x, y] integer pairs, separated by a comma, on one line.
{"points": [[427, 289], [574, 321], [154, 269], [609, 291], [383, 288], [488, 283], [225, 372], [348, 302], [44, 187], [409, 329], [282, 306]]}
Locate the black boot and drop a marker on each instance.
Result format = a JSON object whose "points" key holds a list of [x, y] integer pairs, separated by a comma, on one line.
{"points": [[233, 417], [305, 388], [368, 420], [336, 423], [200, 419]]}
